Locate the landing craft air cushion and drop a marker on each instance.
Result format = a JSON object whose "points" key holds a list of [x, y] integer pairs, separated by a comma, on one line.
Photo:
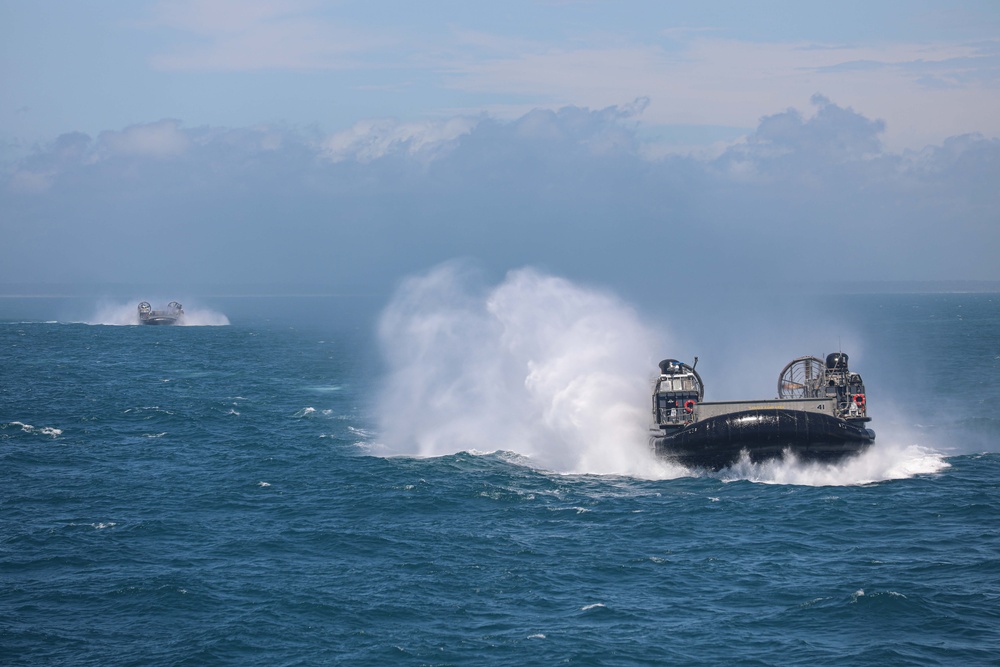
{"points": [[819, 415], [173, 313]]}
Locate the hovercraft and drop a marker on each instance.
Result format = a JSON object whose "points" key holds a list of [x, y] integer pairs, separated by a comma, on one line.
{"points": [[171, 315], [819, 415]]}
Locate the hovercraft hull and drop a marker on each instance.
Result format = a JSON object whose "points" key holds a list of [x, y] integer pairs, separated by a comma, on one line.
{"points": [[718, 442], [164, 320]]}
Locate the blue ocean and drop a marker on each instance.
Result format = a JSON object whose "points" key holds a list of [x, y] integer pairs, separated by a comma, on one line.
{"points": [[462, 477]]}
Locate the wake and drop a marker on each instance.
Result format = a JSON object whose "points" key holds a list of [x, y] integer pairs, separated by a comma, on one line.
{"points": [[878, 463]]}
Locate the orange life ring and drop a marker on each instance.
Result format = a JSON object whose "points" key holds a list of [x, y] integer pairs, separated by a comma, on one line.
{"points": [[689, 406], [860, 400]]}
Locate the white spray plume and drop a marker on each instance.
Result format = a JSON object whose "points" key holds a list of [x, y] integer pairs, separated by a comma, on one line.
{"points": [[883, 461], [536, 365]]}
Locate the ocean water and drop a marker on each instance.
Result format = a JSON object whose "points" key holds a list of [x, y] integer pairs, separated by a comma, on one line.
{"points": [[466, 482]]}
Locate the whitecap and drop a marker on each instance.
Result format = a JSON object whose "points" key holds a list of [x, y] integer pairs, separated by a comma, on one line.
{"points": [[99, 525], [43, 430]]}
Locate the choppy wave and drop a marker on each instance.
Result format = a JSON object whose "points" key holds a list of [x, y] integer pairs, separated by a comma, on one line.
{"points": [[268, 539], [99, 525], [37, 430]]}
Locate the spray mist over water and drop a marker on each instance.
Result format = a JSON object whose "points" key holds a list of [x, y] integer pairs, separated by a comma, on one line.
{"points": [[557, 373], [881, 462], [119, 314], [535, 365]]}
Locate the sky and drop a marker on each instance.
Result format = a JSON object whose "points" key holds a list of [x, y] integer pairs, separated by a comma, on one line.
{"points": [[650, 147]]}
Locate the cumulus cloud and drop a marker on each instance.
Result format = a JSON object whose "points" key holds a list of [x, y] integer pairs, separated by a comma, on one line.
{"points": [[36, 173], [375, 138], [162, 139], [839, 133], [698, 78], [791, 147], [810, 196]]}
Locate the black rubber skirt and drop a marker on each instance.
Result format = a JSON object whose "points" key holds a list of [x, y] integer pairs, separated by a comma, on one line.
{"points": [[764, 434]]}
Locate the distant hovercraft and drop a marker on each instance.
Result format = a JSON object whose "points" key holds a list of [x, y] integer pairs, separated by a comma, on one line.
{"points": [[171, 315], [819, 415]]}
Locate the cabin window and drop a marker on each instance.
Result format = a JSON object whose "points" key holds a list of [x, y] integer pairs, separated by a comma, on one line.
{"points": [[677, 384]]}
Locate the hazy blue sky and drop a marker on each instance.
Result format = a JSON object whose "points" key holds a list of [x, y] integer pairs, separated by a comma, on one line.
{"points": [[640, 145]]}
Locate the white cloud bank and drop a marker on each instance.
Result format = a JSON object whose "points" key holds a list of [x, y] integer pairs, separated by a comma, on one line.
{"points": [[808, 197], [162, 139]]}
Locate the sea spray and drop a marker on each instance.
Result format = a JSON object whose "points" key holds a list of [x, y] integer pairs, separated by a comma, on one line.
{"points": [[882, 461], [900, 451], [535, 365]]}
